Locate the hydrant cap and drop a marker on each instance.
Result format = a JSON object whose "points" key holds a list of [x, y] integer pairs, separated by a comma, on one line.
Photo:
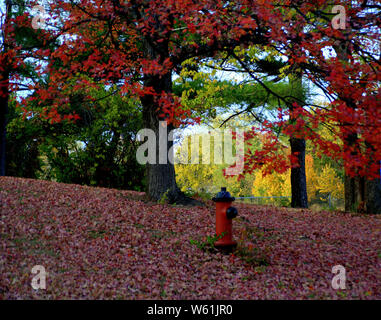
{"points": [[223, 196], [231, 213]]}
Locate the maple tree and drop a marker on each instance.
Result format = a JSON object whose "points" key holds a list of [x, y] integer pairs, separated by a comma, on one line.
{"points": [[349, 77], [140, 44], [103, 243]]}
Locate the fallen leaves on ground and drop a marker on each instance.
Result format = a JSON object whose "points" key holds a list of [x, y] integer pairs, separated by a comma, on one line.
{"points": [[98, 243]]}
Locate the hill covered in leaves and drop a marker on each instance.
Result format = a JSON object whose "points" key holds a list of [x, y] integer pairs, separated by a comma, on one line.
{"points": [[98, 243]]}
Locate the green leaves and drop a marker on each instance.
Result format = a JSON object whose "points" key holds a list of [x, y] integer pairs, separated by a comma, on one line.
{"points": [[97, 149]]}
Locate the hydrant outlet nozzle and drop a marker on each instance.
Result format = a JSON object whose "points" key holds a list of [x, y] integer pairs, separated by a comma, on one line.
{"points": [[231, 212]]}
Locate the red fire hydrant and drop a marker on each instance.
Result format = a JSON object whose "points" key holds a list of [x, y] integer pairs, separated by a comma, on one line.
{"points": [[225, 213]]}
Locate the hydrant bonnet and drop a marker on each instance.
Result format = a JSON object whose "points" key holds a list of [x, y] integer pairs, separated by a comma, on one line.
{"points": [[223, 196]]}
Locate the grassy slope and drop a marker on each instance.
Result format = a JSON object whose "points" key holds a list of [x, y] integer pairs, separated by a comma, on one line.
{"points": [[103, 243]]}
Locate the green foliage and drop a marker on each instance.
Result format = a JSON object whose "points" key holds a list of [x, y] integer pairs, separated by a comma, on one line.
{"points": [[164, 198], [23, 139], [101, 152], [208, 243], [207, 87], [99, 149], [206, 179]]}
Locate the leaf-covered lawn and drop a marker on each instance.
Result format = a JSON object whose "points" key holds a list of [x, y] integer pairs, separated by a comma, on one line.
{"points": [[98, 243]]}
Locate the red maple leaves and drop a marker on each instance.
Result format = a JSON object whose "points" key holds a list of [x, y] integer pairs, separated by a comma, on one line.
{"points": [[100, 244], [128, 44]]}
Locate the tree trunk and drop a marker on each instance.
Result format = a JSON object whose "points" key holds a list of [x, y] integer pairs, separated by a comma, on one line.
{"points": [[372, 188], [299, 197], [161, 180], [373, 196], [4, 90], [362, 195], [4, 97], [354, 190]]}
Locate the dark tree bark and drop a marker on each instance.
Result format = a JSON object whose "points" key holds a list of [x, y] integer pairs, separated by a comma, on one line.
{"points": [[372, 188], [373, 193], [299, 197], [161, 180], [353, 192], [362, 195], [4, 97], [4, 93]]}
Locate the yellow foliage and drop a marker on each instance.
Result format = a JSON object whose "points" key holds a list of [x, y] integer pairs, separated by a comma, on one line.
{"points": [[329, 182], [318, 181], [208, 178], [271, 185], [311, 177]]}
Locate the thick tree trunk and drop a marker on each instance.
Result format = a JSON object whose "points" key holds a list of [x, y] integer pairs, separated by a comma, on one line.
{"points": [[4, 97], [362, 195], [161, 180], [299, 197], [373, 196], [359, 192], [372, 188], [354, 190], [4, 89]]}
